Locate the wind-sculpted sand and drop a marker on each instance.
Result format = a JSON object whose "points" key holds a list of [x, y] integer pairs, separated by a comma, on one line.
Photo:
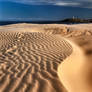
{"points": [[75, 72], [29, 61], [43, 58]]}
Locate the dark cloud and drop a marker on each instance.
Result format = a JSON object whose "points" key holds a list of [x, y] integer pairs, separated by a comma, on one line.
{"points": [[78, 3]]}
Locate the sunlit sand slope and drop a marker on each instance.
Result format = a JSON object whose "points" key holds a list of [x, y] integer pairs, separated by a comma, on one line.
{"points": [[29, 61], [75, 72]]}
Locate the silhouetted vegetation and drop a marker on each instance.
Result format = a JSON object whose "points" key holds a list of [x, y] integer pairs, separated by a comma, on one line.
{"points": [[77, 20], [65, 21]]}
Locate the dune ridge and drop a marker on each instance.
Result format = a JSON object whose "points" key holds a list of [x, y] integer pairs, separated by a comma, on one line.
{"points": [[75, 71], [29, 61]]}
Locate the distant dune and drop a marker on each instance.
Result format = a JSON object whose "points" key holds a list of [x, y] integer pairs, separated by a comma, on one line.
{"points": [[46, 58]]}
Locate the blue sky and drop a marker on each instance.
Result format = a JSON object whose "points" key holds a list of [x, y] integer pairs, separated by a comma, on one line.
{"points": [[44, 9]]}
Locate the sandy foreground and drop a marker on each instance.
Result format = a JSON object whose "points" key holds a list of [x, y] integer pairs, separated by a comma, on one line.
{"points": [[46, 58]]}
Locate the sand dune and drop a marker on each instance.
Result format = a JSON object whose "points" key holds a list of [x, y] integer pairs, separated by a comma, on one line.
{"points": [[31, 53], [29, 61], [75, 71]]}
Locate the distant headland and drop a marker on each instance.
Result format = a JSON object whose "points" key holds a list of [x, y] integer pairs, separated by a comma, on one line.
{"points": [[72, 20]]}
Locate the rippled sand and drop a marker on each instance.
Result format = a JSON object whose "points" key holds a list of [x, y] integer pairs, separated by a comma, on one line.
{"points": [[30, 55]]}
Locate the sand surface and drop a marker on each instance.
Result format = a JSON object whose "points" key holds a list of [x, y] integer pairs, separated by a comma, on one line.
{"points": [[46, 58], [75, 72]]}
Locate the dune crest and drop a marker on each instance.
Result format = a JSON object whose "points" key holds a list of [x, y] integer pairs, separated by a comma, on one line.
{"points": [[74, 71]]}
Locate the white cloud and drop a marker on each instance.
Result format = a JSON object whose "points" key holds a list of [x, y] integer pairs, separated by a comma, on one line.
{"points": [[67, 4]]}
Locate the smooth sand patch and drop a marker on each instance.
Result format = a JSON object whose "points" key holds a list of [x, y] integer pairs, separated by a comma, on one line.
{"points": [[74, 71]]}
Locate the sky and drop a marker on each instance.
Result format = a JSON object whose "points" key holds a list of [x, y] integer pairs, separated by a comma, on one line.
{"points": [[38, 10]]}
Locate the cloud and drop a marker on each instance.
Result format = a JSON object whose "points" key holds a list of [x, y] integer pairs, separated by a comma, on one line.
{"points": [[73, 3], [67, 4]]}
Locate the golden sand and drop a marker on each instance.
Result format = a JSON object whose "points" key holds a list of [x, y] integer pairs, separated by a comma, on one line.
{"points": [[46, 58]]}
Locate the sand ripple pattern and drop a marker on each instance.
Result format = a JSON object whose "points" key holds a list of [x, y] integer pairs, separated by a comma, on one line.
{"points": [[29, 61]]}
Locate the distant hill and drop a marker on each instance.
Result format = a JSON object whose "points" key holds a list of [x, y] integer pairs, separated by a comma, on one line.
{"points": [[65, 21], [90, 20], [77, 20]]}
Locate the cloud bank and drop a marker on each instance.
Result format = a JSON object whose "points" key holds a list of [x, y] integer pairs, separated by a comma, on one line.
{"points": [[72, 3]]}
